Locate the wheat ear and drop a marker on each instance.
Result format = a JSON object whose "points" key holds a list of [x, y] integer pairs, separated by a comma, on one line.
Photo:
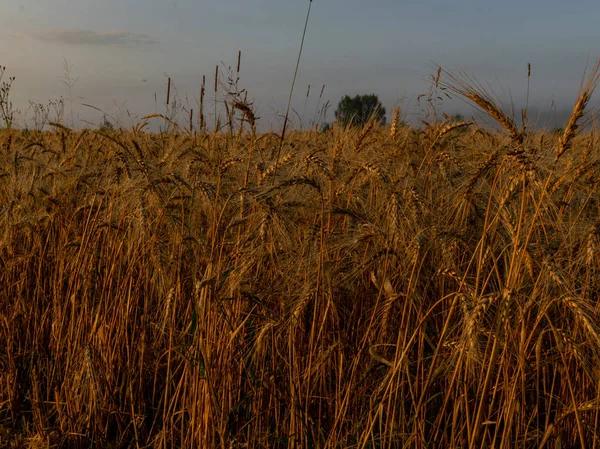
{"points": [[585, 93]]}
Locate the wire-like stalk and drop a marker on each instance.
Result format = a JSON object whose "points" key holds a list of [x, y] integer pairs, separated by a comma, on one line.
{"points": [[287, 112]]}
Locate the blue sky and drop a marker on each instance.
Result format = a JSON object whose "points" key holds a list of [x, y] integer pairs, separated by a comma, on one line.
{"points": [[120, 52]]}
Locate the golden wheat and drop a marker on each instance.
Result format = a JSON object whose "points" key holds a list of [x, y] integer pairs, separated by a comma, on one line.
{"points": [[154, 293]]}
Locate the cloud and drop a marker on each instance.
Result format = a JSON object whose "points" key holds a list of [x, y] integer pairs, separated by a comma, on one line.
{"points": [[89, 37]]}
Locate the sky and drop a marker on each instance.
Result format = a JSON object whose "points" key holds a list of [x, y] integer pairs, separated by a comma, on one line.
{"points": [[118, 54]]}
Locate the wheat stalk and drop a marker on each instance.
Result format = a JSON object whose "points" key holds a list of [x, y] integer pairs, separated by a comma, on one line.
{"points": [[395, 123], [585, 93], [468, 88]]}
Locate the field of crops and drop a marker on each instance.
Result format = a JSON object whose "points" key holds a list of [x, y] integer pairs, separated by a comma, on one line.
{"points": [[376, 287]]}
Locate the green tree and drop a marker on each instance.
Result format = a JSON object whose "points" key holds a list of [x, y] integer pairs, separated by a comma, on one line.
{"points": [[106, 125], [358, 110]]}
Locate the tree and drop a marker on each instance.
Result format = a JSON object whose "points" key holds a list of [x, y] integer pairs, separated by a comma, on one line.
{"points": [[106, 125], [358, 110]]}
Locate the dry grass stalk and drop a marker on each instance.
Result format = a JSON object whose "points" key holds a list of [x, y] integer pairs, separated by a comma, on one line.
{"points": [[319, 163], [585, 93], [449, 127], [167, 315], [364, 133], [247, 111], [473, 323], [373, 168], [395, 123], [274, 166], [468, 88]]}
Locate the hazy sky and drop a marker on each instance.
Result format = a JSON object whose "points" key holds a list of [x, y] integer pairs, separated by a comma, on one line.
{"points": [[121, 51]]}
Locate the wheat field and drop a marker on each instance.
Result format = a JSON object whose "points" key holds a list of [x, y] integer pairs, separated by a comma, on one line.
{"points": [[384, 287]]}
